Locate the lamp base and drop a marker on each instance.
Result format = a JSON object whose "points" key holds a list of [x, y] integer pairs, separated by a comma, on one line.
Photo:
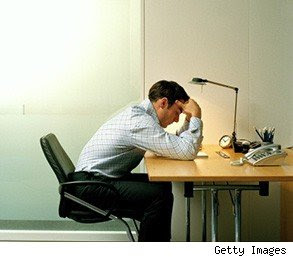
{"points": [[237, 146]]}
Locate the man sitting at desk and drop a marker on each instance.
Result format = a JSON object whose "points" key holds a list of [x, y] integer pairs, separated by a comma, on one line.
{"points": [[120, 144]]}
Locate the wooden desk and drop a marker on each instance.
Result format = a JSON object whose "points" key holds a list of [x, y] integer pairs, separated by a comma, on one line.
{"points": [[215, 168]]}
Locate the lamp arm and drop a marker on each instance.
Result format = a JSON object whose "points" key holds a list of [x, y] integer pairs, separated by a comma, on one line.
{"points": [[201, 81], [222, 85]]}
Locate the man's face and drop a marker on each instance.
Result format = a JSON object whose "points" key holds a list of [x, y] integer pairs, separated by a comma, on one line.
{"points": [[170, 115]]}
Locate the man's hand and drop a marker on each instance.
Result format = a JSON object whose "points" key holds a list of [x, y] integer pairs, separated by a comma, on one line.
{"points": [[190, 108]]}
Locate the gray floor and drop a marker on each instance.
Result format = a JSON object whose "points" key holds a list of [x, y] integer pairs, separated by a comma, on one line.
{"points": [[66, 225]]}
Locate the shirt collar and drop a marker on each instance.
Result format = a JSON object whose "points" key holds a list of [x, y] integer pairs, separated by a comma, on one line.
{"points": [[148, 106]]}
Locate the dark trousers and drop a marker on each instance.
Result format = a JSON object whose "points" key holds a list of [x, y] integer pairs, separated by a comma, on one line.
{"points": [[150, 203]]}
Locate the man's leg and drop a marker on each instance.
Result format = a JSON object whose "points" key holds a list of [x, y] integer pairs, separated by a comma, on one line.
{"points": [[153, 203], [150, 203]]}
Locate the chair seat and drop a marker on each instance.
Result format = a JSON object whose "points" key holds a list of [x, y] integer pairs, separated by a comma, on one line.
{"points": [[86, 217], [83, 216]]}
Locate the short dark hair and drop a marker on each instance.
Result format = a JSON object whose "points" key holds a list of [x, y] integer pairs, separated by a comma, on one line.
{"points": [[169, 89]]}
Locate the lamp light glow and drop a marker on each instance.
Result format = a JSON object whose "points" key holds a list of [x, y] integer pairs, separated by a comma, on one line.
{"points": [[200, 81]]}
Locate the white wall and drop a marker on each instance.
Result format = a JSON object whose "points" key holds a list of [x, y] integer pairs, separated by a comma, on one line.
{"points": [[52, 49], [270, 95], [209, 39], [66, 67], [247, 44], [271, 66]]}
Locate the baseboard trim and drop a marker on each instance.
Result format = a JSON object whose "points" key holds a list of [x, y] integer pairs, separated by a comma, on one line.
{"points": [[63, 236]]}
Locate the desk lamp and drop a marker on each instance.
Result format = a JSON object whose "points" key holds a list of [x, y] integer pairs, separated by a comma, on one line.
{"points": [[225, 141]]}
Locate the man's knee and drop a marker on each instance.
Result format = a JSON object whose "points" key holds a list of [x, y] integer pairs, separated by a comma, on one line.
{"points": [[165, 186], [164, 194]]}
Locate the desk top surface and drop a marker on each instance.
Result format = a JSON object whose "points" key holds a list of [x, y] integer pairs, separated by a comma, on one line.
{"points": [[215, 168]]}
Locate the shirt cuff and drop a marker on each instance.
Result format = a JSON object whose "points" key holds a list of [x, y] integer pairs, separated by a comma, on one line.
{"points": [[195, 124]]}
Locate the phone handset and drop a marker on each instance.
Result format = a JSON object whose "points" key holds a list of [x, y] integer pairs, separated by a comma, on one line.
{"points": [[267, 155], [266, 148]]}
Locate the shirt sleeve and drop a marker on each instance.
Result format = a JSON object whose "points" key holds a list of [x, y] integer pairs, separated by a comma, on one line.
{"points": [[183, 128], [146, 134]]}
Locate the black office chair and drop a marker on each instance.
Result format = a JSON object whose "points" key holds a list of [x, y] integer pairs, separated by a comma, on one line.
{"points": [[71, 206]]}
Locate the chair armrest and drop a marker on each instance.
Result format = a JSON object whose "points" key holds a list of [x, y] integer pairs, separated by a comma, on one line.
{"points": [[89, 182], [63, 187]]}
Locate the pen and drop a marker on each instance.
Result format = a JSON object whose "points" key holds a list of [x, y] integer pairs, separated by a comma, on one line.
{"points": [[258, 133], [271, 135], [266, 136]]}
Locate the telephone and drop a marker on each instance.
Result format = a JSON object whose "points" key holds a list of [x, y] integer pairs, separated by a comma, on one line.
{"points": [[267, 155]]}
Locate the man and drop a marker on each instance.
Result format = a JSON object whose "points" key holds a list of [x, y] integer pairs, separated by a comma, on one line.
{"points": [[119, 146]]}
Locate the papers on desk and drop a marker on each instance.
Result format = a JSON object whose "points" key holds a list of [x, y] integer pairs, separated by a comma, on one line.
{"points": [[201, 154]]}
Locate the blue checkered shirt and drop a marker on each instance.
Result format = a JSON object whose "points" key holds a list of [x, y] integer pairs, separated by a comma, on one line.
{"points": [[120, 144]]}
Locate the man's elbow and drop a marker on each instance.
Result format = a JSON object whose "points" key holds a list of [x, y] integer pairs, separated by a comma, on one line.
{"points": [[191, 153]]}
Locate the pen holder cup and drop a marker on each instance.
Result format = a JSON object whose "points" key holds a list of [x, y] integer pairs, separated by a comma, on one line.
{"points": [[266, 134], [268, 139]]}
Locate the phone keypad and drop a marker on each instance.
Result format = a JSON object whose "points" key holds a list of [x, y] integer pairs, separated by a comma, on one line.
{"points": [[260, 156]]}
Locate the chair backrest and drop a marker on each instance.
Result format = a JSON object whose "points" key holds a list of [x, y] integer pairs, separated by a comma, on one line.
{"points": [[57, 157]]}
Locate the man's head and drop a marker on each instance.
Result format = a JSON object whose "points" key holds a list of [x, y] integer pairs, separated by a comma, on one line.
{"points": [[163, 96]]}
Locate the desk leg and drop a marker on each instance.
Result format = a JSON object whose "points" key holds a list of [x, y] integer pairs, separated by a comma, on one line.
{"points": [[187, 219], [188, 193], [214, 218], [237, 215], [203, 216]]}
